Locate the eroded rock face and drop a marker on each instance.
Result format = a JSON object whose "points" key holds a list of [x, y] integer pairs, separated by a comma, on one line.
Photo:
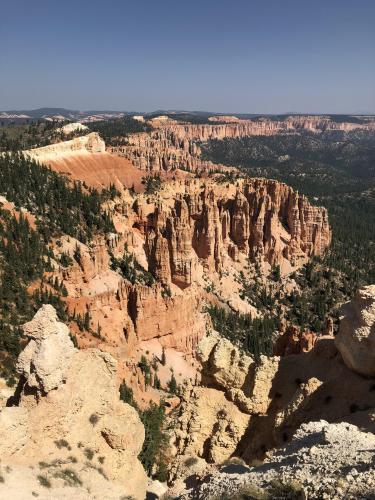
{"points": [[223, 364], [274, 395], [294, 341], [323, 460], [161, 151], [190, 234], [213, 419], [245, 382], [44, 361], [173, 145], [208, 426], [77, 420], [356, 336], [209, 223], [243, 128], [90, 143]]}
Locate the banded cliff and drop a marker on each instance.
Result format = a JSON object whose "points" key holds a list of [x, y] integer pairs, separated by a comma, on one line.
{"points": [[174, 145], [162, 151], [262, 126], [86, 159], [190, 234]]}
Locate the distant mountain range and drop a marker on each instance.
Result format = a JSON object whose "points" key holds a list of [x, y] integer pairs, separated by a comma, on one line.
{"points": [[94, 115]]}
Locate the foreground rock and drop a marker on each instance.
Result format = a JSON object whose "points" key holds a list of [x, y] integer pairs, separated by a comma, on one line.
{"points": [[356, 337], [248, 406], [331, 461], [69, 432]]}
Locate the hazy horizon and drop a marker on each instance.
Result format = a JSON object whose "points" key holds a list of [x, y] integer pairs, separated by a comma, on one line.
{"points": [[153, 111], [251, 57]]}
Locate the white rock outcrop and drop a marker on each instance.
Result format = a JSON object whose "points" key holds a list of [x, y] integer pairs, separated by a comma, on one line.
{"points": [[46, 358], [356, 337], [70, 424], [90, 143], [72, 127], [328, 461], [226, 365]]}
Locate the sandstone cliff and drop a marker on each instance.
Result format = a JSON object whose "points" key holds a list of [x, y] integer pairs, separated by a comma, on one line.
{"points": [[190, 234], [212, 224], [175, 145], [262, 126], [85, 159]]}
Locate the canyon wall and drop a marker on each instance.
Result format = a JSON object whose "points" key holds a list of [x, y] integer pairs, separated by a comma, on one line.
{"points": [[162, 150], [246, 406], [86, 159], [173, 145], [188, 235], [262, 126], [211, 224]]}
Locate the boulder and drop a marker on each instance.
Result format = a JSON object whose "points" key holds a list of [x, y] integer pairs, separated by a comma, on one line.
{"points": [[45, 359], [224, 364], [356, 336]]}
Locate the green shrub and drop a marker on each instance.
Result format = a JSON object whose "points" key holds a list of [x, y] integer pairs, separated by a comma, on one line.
{"points": [[189, 462], [89, 454], [62, 443], [281, 490], [44, 481], [69, 477]]}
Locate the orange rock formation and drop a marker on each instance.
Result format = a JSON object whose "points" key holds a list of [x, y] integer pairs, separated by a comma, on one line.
{"points": [[191, 230], [173, 145], [294, 341]]}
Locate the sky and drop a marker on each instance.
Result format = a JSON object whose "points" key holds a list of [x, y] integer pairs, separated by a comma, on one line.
{"points": [[239, 56]]}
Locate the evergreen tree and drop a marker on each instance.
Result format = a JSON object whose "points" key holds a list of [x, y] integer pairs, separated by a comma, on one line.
{"points": [[163, 357], [172, 384]]}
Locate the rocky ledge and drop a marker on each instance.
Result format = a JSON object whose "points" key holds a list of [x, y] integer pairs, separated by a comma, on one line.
{"points": [[327, 461]]}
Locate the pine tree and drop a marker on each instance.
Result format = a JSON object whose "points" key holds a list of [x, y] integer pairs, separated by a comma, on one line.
{"points": [[172, 384], [86, 321], [163, 357]]}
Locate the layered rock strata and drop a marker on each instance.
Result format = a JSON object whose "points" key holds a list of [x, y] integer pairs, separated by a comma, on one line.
{"points": [[209, 224], [262, 126], [175, 145], [191, 232], [162, 151], [85, 159]]}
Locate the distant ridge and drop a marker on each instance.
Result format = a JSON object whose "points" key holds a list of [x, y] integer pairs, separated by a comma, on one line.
{"points": [[22, 115]]}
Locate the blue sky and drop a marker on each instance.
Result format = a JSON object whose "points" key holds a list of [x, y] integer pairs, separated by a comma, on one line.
{"points": [[255, 56]]}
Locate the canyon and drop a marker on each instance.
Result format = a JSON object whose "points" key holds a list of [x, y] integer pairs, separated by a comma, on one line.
{"points": [[141, 293], [261, 126], [174, 145], [189, 235]]}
